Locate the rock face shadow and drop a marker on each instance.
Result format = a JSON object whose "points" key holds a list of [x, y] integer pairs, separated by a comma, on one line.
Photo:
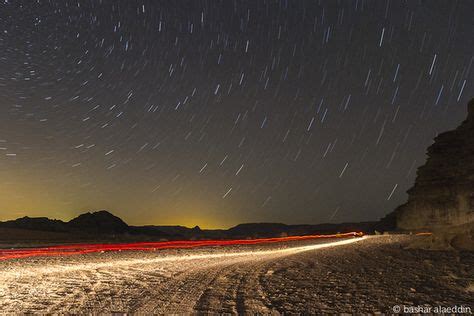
{"points": [[442, 198]]}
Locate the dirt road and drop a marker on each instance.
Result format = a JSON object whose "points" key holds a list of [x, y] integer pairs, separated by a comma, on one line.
{"points": [[360, 276]]}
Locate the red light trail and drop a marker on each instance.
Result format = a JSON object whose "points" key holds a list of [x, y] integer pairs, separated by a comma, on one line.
{"points": [[78, 249]]}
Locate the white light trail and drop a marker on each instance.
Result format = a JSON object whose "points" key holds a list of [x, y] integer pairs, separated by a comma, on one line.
{"points": [[125, 262]]}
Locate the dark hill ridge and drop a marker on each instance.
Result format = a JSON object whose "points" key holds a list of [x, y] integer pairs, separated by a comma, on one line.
{"points": [[278, 229], [264, 229], [104, 225], [99, 222], [36, 223]]}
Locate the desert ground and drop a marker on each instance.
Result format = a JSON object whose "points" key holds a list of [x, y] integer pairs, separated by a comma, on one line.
{"points": [[369, 275]]}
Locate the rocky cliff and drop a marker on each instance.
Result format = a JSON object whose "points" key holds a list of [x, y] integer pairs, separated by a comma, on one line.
{"points": [[443, 194]]}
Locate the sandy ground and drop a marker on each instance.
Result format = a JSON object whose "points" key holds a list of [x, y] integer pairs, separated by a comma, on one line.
{"points": [[371, 275]]}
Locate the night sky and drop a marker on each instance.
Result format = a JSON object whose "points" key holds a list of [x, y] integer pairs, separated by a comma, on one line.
{"points": [[214, 113]]}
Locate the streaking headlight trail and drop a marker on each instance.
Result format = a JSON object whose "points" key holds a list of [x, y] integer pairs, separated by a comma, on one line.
{"points": [[77, 249]]}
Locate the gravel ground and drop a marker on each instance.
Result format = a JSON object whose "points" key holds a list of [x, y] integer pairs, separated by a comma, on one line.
{"points": [[371, 275]]}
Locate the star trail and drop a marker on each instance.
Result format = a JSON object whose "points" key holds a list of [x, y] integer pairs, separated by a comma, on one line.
{"points": [[214, 113]]}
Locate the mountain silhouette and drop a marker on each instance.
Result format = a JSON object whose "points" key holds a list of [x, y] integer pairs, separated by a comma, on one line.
{"points": [[36, 223], [103, 225], [101, 222]]}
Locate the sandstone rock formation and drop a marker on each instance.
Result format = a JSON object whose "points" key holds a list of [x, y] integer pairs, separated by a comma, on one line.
{"points": [[443, 194]]}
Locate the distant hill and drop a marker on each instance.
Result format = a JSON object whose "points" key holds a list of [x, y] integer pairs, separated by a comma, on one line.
{"points": [[263, 230], [258, 230], [36, 223], [102, 225], [169, 231], [101, 222]]}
